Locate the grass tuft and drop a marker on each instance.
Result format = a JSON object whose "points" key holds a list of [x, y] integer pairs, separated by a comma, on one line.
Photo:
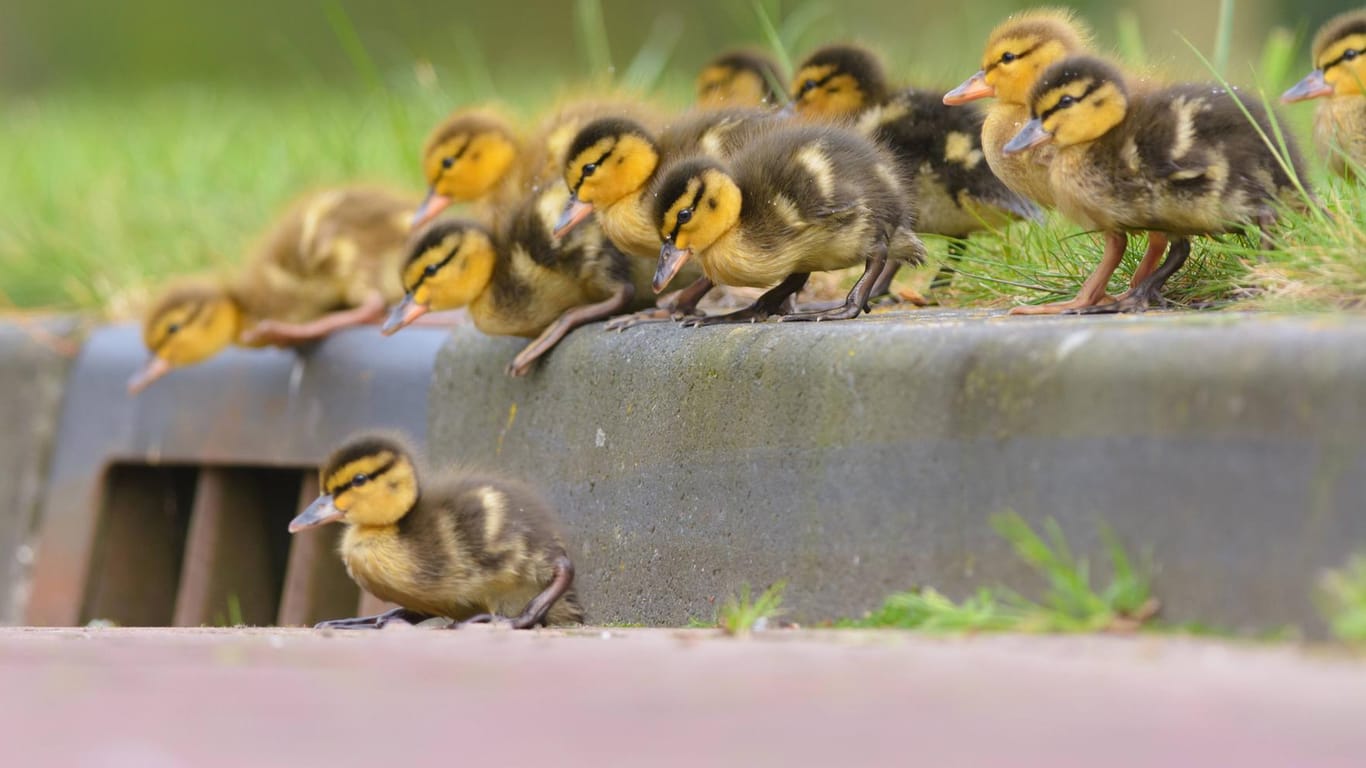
{"points": [[1071, 604], [745, 613], [1342, 599]]}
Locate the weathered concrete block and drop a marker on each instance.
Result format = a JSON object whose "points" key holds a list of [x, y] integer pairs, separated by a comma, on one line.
{"points": [[35, 355], [858, 458]]}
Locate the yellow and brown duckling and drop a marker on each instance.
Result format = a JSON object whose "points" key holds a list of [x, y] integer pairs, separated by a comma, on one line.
{"points": [[1183, 160], [467, 546], [1017, 53], [331, 262], [796, 200], [476, 156], [517, 279], [741, 78], [1339, 56], [939, 148], [611, 169]]}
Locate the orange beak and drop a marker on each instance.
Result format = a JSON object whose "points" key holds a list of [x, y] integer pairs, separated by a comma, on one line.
{"points": [[575, 211], [403, 315], [155, 369], [671, 259], [1031, 135], [431, 206], [972, 89], [1311, 87]]}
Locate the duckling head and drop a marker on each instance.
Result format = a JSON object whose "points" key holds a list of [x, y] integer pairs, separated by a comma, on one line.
{"points": [[697, 204], [739, 79], [1075, 101], [371, 481], [449, 265], [463, 160], [838, 81], [1018, 51], [608, 160], [1339, 53], [188, 325]]}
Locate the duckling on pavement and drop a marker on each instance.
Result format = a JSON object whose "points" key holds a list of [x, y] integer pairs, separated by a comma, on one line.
{"points": [[468, 546]]}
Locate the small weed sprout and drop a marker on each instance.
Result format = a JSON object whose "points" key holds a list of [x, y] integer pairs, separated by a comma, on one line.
{"points": [[740, 615]]}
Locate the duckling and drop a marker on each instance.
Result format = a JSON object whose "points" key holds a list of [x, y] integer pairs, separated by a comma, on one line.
{"points": [[1183, 160], [476, 156], [1339, 57], [518, 280], [1017, 52], [742, 78], [939, 148], [467, 546], [800, 199], [330, 262], [612, 165]]}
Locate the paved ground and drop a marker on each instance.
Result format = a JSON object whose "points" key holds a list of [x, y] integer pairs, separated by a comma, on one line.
{"points": [[161, 698]]}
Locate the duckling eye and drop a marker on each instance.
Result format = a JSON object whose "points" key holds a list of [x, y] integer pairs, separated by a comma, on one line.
{"points": [[1349, 54], [685, 216], [1066, 102], [430, 270], [173, 328], [589, 169], [447, 162], [1008, 57], [359, 480], [808, 86]]}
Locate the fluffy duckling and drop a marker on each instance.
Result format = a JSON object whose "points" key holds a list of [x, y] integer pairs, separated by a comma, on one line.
{"points": [[1339, 57], [467, 546], [743, 78], [611, 168], [329, 263], [1183, 160], [938, 147], [797, 200], [476, 156], [1017, 52], [517, 280]]}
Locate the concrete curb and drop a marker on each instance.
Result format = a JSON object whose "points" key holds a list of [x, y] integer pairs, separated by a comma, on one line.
{"points": [[858, 458]]}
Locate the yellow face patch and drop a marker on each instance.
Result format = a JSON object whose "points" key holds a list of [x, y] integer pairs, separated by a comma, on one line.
{"points": [[376, 489], [1081, 110], [728, 87], [1013, 64], [822, 91], [1344, 65], [468, 166], [708, 208], [189, 332], [611, 169], [452, 273]]}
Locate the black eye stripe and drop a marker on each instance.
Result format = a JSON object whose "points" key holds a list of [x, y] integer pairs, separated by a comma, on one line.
{"points": [[422, 278], [701, 188], [369, 478], [1018, 56], [1340, 59], [196, 310], [1076, 99], [598, 163], [811, 85]]}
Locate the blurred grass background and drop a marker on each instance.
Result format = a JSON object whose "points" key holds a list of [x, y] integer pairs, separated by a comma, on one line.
{"points": [[149, 137]]}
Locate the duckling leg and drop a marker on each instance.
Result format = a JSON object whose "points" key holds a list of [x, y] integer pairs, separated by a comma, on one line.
{"points": [[1093, 290], [1157, 245], [773, 302], [857, 301], [567, 322], [374, 622], [287, 334], [535, 612], [682, 304], [1150, 290]]}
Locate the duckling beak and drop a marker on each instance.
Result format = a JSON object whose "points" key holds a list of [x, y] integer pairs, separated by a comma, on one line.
{"points": [[972, 89], [155, 368], [431, 206], [321, 512], [1031, 135], [671, 259], [575, 211], [1311, 87], [402, 315]]}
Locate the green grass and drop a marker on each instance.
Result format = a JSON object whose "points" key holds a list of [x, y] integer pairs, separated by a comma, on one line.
{"points": [[745, 613], [1342, 598], [1072, 603]]}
